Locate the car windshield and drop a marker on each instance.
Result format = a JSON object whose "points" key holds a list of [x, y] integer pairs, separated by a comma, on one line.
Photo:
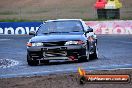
{"points": [[60, 27]]}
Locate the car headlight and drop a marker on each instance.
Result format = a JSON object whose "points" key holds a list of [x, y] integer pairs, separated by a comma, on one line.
{"points": [[74, 42], [37, 44], [34, 44]]}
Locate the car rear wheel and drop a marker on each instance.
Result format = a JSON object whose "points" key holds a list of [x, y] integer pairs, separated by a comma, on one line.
{"points": [[31, 62]]}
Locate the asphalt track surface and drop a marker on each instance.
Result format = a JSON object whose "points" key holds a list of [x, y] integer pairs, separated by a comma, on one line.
{"points": [[115, 52]]}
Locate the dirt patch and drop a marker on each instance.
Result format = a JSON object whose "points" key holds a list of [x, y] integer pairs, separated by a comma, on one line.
{"points": [[70, 80]]}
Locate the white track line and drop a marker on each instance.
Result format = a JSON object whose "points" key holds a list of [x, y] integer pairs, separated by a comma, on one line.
{"points": [[13, 63], [5, 39], [126, 42]]}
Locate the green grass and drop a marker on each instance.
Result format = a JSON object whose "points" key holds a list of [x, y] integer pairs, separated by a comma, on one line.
{"points": [[8, 13]]}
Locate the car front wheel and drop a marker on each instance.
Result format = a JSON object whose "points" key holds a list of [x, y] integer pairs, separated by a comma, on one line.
{"points": [[95, 54], [86, 57], [31, 62], [87, 54]]}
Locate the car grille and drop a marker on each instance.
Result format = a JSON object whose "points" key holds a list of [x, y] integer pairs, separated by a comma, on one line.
{"points": [[47, 44], [55, 54]]}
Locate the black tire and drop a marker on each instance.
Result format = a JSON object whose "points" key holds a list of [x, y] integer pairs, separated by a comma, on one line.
{"points": [[95, 54], [45, 61], [31, 62], [86, 57]]}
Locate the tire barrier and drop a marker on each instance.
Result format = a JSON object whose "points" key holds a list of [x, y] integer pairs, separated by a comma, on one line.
{"points": [[108, 9]]}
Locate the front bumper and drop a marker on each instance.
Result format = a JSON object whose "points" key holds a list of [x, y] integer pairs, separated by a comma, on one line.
{"points": [[57, 52]]}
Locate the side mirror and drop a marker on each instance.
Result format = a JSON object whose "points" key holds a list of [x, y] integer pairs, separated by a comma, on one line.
{"points": [[32, 33], [89, 30]]}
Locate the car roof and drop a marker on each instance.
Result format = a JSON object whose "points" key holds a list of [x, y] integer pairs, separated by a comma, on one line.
{"points": [[64, 20]]}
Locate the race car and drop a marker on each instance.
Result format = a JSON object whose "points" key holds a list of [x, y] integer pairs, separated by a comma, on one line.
{"points": [[62, 39]]}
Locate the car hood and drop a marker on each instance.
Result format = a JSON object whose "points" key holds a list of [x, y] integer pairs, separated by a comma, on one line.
{"points": [[54, 38]]}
